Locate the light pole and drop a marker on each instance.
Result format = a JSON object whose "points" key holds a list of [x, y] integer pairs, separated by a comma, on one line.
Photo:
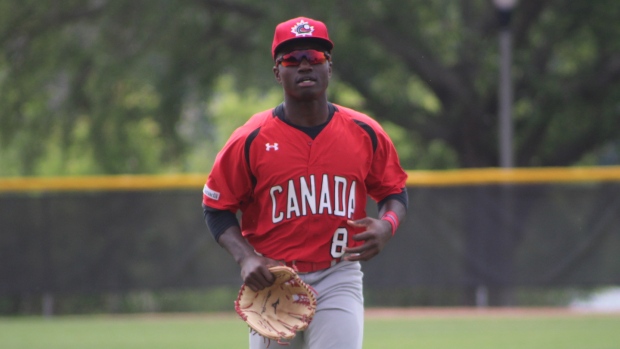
{"points": [[502, 293], [506, 153]]}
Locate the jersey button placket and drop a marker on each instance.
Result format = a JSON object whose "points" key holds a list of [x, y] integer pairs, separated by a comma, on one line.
{"points": [[309, 158]]}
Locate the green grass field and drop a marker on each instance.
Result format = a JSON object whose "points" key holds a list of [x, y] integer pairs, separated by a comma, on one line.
{"points": [[445, 331]]}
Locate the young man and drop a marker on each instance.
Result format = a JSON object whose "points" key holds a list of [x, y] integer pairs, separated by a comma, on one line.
{"points": [[300, 173]]}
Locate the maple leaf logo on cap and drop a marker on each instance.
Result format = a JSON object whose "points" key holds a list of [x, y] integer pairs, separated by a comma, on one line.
{"points": [[302, 28]]}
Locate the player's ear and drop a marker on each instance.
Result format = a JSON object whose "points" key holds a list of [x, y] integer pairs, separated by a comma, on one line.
{"points": [[276, 73], [329, 64]]}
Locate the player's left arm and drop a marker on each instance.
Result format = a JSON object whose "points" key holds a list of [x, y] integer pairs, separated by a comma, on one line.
{"points": [[385, 183], [377, 231]]}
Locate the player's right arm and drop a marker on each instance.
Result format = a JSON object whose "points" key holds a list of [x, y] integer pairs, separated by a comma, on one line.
{"points": [[224, 226], [229, 184], [254, 268]]}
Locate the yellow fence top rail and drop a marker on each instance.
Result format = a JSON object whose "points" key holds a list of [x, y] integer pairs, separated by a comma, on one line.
{"points": [[459, 177], [513, 176], [118, 182]]}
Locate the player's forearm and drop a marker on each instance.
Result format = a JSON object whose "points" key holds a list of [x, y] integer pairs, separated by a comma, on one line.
{"points": [[395, 206], [233, 242]]}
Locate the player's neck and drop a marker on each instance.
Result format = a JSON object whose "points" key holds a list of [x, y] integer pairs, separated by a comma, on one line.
{"points": [[306, 113]]}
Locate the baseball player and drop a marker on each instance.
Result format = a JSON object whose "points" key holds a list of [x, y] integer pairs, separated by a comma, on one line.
{"points": [[300, 174]]}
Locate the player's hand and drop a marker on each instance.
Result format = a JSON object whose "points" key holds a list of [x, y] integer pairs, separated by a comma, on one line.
{"points": [[255, 272], [378, 232]]}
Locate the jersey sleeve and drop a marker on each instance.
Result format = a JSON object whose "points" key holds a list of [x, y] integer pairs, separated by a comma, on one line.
{"points": [[386, 176], [229, 184]]}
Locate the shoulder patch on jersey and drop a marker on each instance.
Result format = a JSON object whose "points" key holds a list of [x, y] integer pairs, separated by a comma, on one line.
{"points": [[210, 193]]}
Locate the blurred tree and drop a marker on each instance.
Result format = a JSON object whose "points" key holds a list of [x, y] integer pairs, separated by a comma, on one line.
{"points": [[109, 86], [566, 74]]}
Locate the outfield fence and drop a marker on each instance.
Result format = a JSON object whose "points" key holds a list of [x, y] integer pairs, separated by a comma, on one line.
{"points": [[478, 232]]}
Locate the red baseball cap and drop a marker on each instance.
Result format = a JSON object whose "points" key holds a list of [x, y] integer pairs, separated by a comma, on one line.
{"points": [[300, 28]]}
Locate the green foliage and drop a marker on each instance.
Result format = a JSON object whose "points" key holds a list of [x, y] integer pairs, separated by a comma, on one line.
{"points": [[155, 86], [229, 108]]}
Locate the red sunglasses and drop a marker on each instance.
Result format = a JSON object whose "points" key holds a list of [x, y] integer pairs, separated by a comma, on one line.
{"points": [[293, 59]]}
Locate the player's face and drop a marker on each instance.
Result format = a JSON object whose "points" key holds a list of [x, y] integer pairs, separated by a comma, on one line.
{"points": [[303, 70]]}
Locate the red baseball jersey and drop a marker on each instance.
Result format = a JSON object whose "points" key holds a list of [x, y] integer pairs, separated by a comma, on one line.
{"points": [[296, 193]]}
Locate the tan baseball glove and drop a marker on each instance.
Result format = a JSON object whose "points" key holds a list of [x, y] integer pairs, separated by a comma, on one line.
{"points": [[279, 311]]}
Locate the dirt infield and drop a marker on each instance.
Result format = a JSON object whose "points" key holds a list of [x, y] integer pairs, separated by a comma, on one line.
{"points": [[420, 312]]}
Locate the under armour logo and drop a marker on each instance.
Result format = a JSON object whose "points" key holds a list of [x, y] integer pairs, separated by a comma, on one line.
{"points": [[273, 146]]}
